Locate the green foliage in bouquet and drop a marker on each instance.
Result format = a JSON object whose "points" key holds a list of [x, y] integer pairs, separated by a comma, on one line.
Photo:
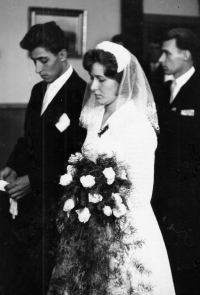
{"points": [[95, 232]]}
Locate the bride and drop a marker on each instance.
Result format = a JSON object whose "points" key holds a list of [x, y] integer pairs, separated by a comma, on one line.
{"points": [[120, 116]]}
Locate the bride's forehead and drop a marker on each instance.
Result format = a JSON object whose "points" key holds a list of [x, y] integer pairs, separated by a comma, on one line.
{"points": [[97, 69]]}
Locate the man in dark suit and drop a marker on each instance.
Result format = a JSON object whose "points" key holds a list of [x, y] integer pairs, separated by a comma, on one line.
{"points": [[51, 134], [177, 172]]}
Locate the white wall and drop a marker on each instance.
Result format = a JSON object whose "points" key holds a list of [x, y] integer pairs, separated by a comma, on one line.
{"points": [[171, 7], [17, 73]]}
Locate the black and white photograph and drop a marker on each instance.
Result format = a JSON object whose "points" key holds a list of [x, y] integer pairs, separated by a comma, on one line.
{"points": [[100, 147]]}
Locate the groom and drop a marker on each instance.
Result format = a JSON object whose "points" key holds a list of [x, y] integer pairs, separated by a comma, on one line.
{"points": [[51, 134]]}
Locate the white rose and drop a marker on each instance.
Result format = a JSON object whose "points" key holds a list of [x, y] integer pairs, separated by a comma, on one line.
{"points": [[123, 174], [79, 156], [75, 158], [116, 197], [69, 205], [71, 170], [119, 210], [83, 214], [65, 179], [87, 181], [95, 198], [109, 174], [107, 210]]}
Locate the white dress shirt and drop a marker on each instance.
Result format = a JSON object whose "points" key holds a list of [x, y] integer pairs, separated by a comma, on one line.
{"points": [[180, 81], [54, 87]]}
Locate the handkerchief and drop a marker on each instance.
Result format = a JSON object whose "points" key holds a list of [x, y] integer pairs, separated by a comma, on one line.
{"points": [[13, 208], [63, 122], [13, 204], [3, 183], [187, 112]]}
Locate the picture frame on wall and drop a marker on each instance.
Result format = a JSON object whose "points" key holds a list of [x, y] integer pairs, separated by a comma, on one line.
{"points": [[72, 22]]}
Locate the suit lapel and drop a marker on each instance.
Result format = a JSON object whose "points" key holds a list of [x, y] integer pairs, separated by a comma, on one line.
{"points": [[36, 102], [62, 101], [184, 97], [54, 109]]}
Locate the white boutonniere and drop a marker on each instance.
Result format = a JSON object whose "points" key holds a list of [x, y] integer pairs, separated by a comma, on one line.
{"points": [[63, 122]]}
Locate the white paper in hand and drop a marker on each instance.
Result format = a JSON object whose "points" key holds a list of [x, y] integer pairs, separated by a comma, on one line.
{"points": [[13, 204], [3, 183]]}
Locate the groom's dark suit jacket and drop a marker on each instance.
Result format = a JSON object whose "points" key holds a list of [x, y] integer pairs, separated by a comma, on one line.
{"points": [[42, 154], [177, 181]]}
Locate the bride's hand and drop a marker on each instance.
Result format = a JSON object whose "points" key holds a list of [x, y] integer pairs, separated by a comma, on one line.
{"points": [[19, 188]]}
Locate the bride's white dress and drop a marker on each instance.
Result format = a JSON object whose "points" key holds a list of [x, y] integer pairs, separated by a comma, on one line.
{"points": [[133, 140]]}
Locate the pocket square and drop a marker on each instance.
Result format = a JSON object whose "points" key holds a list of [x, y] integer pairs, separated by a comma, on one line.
{"points": [[187, 112], [63, 122]]}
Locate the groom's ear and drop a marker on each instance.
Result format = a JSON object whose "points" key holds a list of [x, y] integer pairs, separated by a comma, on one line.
{"points": [[63, 55]]}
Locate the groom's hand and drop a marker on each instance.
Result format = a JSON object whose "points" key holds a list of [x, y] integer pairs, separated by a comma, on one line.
{"points": [[8, 174], [19, 188]]}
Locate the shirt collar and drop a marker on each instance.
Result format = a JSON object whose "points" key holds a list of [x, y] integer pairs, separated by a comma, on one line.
{"points": [[180, 81], [60, 81]]}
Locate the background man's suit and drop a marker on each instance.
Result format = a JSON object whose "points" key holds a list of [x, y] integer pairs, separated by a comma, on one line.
{"points": [[177, 183], [42, 154]]}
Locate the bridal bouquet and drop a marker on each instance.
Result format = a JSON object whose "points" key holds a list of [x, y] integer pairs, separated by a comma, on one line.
{"points": [[94, 190], [93, 224]]}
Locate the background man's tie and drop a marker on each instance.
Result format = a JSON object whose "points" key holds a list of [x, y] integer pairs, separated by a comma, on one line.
{"points": [[172, 87]]}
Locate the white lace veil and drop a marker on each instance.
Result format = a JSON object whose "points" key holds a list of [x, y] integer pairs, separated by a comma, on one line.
{"points": [[134, 85]]}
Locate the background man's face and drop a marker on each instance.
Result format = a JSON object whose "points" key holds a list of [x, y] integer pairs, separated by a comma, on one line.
{"points": [[47, 64], [172, 59], [154, 52]]}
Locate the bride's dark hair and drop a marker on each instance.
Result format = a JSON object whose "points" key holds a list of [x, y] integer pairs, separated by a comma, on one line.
{"points": [[106, 59]]}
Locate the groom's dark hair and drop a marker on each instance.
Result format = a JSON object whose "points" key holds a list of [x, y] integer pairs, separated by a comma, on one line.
{"points": [[48, 35]]}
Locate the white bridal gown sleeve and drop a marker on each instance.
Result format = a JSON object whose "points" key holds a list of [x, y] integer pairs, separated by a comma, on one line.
{"points": [[130, 136]]}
